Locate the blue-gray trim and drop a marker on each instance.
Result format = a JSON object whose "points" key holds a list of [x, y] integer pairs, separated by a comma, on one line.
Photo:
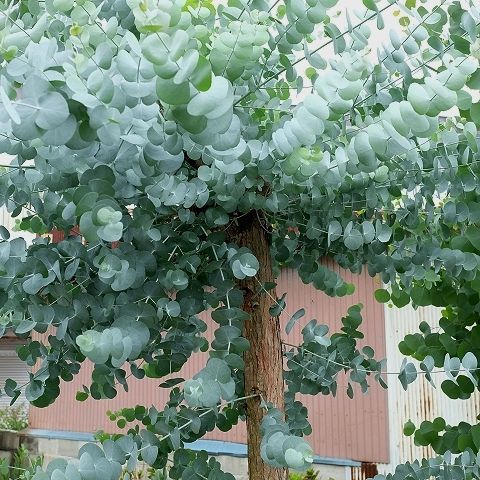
{"points": [[213, 447], [59, 435]]}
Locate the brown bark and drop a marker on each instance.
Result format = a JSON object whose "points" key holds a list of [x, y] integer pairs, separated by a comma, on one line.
{"points": [[263, 362]]}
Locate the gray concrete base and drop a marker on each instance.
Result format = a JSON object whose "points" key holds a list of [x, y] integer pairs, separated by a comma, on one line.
{"points": [[237, 466], [52, 448], [9, 440], [6, 456]]}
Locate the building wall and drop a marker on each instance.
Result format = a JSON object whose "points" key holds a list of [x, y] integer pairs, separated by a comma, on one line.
{"points": [[421, 401], [9, 223], [10, 365], [5, 219], [343, 428]]}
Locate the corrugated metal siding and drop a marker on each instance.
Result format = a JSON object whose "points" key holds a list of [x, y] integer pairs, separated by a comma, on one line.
{"points": [[344, 428], [5, 219], [9, 223], [364, 471], [355, 429], [12, 367], [421, 401]]}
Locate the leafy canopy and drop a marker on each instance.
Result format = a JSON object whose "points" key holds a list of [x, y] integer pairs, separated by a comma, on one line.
{"points": [[149, 126]]}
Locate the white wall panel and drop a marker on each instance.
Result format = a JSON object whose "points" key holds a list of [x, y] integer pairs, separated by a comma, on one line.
{"points": [[421, 401], [12, 367], [9, 223]]}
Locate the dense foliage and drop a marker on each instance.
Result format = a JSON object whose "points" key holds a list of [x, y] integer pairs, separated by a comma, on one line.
{"points": [[150, 126], [14, 417], [23, 466]]}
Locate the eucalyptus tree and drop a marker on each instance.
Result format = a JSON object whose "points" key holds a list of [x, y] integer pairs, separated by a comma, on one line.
{"points": [[198, 148]]}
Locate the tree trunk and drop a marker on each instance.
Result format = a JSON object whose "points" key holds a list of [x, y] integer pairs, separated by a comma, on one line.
{"points": [[263, 362]]}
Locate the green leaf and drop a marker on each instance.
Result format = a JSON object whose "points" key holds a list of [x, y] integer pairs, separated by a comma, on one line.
{"points": [[408, 374], [368, 232], [4, 467], [353, 240], [111, 232], [371, 5], [149, 454], [338, 40], [451, 389], [293, 320], [474, 81], [382, 295], [334, 231], [210, 101], [201, 78], [475, 113], [418, 98], [420, 296], [383, 231], [34, 390], [36, 282], [472, 233], [245, 266], [475, 431], [218, 370], [52, 111], [409, 428], [81, 396], [171, 93], [63, 5], [61, 134], [8, 106], [401, 299], [294, 459], [171, 382], [278, 307], [469, 361]]}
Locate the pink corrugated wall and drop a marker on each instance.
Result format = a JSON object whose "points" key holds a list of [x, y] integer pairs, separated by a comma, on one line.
{"points": [[343, 428]]}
